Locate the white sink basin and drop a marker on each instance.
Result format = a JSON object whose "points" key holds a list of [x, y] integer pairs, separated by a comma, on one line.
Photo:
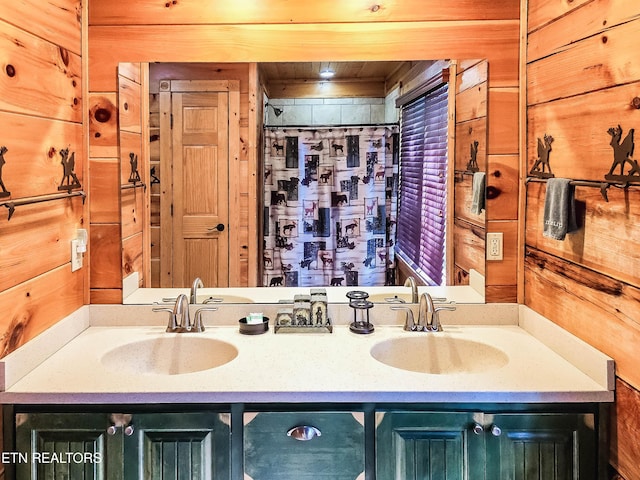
{"points": [[213, 299], [169, 355], [436, 353], [390, 298]]}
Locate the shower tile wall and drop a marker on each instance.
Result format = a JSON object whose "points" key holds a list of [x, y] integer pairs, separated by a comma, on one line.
{"points": [[329, 111]]}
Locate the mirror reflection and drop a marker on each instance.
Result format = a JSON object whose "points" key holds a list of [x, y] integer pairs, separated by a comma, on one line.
{"points": [[328, 171]]}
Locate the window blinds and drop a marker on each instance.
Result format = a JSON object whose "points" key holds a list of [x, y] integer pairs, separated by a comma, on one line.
{"points": [[423, 178]]}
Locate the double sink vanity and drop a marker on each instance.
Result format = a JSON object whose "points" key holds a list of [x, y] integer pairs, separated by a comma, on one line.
{"points": [[500, 390]]}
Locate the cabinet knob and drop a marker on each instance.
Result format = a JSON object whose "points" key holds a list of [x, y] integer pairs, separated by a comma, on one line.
{"points": [[128, 430], [304, 433], [478, 429], [496, 431], [112, 430], [219, 228]]}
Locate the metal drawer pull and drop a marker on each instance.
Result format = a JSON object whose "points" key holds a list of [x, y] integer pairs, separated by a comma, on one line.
{"points": [[128, 430], [478, 429], [496, 431], [304, 433]]}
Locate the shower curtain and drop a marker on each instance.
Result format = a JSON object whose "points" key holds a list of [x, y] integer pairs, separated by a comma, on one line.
{"points": [[330, 201]]}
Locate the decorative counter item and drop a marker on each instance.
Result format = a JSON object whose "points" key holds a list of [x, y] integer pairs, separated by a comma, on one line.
{"points": [[308, 315], [247, 328], [358, 301]]}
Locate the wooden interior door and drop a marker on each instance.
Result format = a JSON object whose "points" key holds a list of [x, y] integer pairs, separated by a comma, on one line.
{"points": [[200, 137]]}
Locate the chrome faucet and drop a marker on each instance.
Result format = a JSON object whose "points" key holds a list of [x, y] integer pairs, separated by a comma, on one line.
{"points": [[411, 282], [428, 318], [197, 283], [179, 319], [181, 314]]}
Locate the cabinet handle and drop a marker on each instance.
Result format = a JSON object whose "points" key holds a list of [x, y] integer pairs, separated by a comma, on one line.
{"points": [[304, 433], [496, 431], [478, 429]]}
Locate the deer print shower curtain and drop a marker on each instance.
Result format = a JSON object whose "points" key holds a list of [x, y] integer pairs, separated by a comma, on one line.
{"points": [[330, 206]]}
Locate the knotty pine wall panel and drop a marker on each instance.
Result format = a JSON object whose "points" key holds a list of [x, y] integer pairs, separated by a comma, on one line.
{"points": [[33, 157], [32, 306], [41, 113], [103, 125], [118, 12], [471, 88], [40, 78], [57, 21], [582, 81]]}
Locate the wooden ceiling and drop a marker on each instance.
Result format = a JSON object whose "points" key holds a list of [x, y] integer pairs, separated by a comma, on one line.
{"points": [[343, 70], [356, 79]]}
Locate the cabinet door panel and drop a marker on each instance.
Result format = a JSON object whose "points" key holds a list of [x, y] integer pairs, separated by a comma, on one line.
{"points": [[337, 454], [548, 446], [178, 446], [428, 446], [67, 446]]}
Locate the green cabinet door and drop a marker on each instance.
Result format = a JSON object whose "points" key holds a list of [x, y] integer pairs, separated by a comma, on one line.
{"points": [[178, 446], [333, 451], [429, 446], [541, 446], [65, 446]]}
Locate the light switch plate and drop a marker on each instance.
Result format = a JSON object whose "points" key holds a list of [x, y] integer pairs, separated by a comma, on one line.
{"points": [[494, 246], [76, 256]]}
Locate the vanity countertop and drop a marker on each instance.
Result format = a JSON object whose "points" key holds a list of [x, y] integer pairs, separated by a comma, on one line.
{"points": [[544, 364]]}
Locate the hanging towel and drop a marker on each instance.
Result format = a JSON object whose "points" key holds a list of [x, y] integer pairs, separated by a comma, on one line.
{"points": [[559, 209], [477, 193]]}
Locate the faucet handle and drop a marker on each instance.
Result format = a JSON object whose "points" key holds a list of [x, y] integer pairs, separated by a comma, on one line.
{"points": [[409, 322], [172, 326], [436, 325], [198, 326]]}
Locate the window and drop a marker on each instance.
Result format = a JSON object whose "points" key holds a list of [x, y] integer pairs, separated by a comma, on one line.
{"points": [[423, 178]]}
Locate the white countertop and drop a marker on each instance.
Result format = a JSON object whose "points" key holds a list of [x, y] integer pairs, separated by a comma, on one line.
{"points": [[545, 364]]}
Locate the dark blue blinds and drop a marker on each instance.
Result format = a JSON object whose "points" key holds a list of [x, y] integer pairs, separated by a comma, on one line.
{"points": [[423, 179]]}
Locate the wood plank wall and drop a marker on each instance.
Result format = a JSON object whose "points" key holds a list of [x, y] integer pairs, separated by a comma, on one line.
{"points": [[471, 93], [583, 76], [134, 202], [41, 113], [204, 31]]}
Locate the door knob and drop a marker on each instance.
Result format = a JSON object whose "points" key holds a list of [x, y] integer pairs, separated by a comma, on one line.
{"points": [[478, 429], [219, 227], [304, 433]]}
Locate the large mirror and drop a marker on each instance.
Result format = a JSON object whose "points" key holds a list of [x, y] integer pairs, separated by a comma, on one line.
{"points": [[200, 112]]}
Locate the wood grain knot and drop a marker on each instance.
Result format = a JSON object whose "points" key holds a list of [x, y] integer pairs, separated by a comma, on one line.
{"points": [[636, 102], [11, 70], [102, 115]]}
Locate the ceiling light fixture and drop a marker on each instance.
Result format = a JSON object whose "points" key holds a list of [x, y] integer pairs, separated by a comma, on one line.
{"points": [[327, 73]]}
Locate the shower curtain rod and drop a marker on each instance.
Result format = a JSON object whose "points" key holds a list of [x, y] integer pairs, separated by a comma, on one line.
{"points": [[344, 125]]}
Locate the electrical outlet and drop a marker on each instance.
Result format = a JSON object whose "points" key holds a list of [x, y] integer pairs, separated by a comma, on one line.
{"points": [[76, 256], [494, 246]]}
